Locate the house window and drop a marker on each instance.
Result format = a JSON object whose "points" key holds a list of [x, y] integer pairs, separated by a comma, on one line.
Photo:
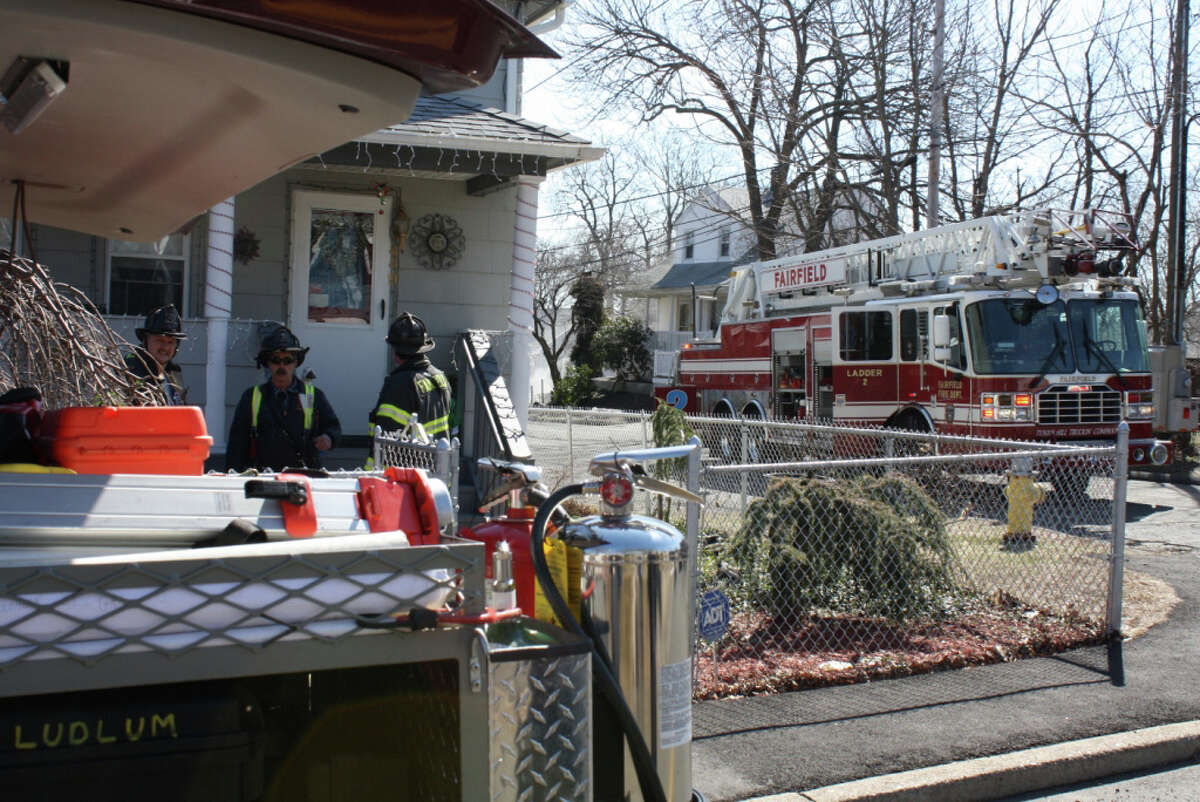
{"points": [[689, 247], [724, 240], [146, 275]]}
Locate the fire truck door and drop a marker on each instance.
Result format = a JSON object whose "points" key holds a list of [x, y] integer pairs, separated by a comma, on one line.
{"points": [[788, 369]]}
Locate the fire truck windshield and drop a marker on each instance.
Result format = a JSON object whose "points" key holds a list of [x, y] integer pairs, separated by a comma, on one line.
{"points": [[1022, 336]]}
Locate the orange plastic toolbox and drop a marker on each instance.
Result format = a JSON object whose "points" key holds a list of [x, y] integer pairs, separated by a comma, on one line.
{"points": [[106, 440]]}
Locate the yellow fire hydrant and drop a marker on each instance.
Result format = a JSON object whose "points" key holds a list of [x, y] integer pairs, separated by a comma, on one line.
{"points": [[1022, 493]]}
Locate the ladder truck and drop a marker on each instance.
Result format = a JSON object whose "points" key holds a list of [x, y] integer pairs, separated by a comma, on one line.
{"points": [[1020, 326]]}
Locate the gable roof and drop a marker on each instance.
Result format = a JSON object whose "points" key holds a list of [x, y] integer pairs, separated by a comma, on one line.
{"points": [[702, 274]]}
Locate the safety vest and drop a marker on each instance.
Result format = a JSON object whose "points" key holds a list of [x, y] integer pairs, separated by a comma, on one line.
{"points": [[308, 404], [437, 426]]}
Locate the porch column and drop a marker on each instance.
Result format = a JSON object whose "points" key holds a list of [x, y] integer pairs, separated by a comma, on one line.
{"points": [[520, 305], [218, 303]]}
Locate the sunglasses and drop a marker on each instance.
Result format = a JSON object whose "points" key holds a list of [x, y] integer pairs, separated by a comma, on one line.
{"points": [[282, 360]]}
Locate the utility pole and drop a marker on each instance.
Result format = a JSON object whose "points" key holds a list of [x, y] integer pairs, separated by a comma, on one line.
{"points": [[1177, 205], [935, 114]]}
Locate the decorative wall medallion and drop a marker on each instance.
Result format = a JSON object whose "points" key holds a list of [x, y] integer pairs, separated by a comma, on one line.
{"points": [[245, 245], [437, 242]]}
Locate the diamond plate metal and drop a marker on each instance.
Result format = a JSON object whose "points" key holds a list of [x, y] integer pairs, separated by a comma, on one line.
{"points": [[540, 730]]}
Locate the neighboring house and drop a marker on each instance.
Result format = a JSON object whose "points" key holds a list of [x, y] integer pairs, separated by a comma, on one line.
{"points": [[684, 298], [436, 216]]}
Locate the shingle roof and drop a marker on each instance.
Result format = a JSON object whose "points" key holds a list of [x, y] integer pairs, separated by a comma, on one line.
{"points": [[702, 274], [448, 116]]}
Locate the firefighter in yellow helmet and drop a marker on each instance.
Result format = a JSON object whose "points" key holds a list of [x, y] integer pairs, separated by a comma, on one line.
{"points": [[415, 389]]}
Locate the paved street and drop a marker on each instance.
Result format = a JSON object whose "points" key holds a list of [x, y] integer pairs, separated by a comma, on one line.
{"points": [[1178, 783], [810, 739]]}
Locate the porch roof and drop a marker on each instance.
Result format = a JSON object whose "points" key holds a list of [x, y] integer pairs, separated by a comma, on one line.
{"points": [[447, 135], [703, 274]]}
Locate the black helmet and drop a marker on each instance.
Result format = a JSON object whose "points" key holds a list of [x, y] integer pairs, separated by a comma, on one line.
{"points": [[280, 338], [408, 336], [164, 320]]}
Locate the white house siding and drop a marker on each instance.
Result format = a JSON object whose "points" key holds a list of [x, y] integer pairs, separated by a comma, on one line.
{"points": [[260, 287], [81, 260]]}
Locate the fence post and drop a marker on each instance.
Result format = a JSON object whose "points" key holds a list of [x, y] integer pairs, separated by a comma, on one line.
{"points": [[645, 429], [1116, 574], [743, 479], [376, 449], [692, 534], [570, 449]]}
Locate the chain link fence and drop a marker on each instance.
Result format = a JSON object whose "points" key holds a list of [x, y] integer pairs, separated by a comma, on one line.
{"points": [[839, 554]]}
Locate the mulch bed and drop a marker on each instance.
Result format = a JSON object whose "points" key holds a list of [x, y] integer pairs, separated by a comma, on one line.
{"points": [[760, 654]]}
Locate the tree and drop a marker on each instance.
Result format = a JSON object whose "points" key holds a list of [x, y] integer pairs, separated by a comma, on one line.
{"points": [[587, 316], [620, 344], [598, 195], [1114, 107], [555, 275], [759, 72]]}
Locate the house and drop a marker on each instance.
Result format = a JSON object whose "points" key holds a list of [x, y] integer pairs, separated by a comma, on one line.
{"points": [[684, 297], [435, 215], [681, 297]]}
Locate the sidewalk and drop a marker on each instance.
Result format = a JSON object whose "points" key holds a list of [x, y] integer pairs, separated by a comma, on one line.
{"points": [[964, 734]]}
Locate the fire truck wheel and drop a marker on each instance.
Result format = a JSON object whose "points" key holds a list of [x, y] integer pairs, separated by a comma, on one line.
{"points": [[911, 421]]}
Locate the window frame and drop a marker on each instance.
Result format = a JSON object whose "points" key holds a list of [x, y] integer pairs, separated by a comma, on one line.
{"points": [[185, 279], [866, 349]]}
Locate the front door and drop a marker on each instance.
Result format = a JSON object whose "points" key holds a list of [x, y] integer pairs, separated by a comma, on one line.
{"points": [[339, 291]]}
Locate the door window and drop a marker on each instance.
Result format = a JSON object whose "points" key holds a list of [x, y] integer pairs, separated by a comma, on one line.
{"points": [[341, 249]]}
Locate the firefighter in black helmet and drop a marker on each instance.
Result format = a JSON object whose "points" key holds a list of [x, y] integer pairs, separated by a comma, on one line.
{"points": [[283, 422], [415, 389], [152, 360]]}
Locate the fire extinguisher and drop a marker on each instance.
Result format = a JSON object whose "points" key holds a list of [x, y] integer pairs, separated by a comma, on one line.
{"points": [[636, 609], [520, 489]]}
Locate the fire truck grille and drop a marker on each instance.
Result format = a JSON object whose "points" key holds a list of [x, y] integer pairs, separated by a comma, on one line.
{"points": [[1100, 404]]}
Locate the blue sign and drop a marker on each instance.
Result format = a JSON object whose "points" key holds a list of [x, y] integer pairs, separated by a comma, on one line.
{"points": [[713, 612], [677, 399]]}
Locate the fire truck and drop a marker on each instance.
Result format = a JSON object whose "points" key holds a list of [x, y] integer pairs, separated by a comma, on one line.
{"points": [[1021, 326]]}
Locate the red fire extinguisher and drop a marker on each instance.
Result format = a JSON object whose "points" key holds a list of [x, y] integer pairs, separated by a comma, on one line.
{"points": [[519, 490]]}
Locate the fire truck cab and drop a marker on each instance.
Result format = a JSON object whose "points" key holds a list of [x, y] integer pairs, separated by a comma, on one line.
{"points": [[1019, 326]]}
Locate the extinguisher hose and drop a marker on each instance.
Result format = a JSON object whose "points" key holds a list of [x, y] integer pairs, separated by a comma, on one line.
{"points": [[610, 690]]}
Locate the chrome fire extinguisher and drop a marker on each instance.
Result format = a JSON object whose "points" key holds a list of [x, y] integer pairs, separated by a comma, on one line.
{"points": [[636, 608]]}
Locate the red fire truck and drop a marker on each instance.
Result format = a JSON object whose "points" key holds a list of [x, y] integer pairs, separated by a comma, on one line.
{"points": [[1020, 326]]}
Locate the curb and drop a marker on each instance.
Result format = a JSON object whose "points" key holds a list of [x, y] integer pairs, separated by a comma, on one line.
{"points": [[1021, 772]]}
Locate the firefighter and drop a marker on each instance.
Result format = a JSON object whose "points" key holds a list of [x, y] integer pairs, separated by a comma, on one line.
{"points": [[283, 422], [152, 360], [415, 391]]}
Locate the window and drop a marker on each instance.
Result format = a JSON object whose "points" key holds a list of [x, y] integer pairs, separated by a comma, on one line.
{"points": [[914, 326], [146, 275], [689, 247], [341, 247], [724, 240], [957, 354], [865, 336]]}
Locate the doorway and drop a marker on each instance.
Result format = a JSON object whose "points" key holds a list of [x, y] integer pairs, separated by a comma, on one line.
{"points": [[339, 290]]}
